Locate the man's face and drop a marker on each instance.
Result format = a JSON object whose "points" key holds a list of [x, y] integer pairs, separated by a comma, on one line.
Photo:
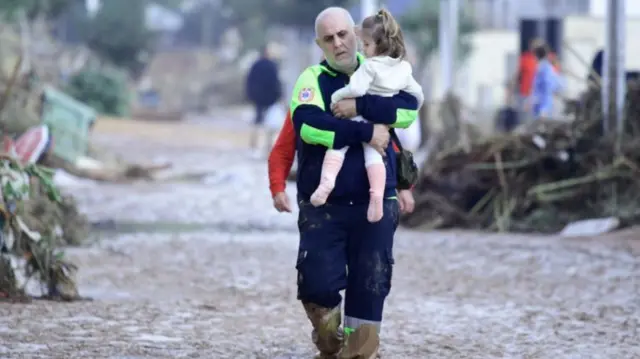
{"points": [[337, 39]]}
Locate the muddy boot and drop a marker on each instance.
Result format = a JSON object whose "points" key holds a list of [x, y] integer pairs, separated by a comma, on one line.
{"points": [[326, 335], [363, 343]]}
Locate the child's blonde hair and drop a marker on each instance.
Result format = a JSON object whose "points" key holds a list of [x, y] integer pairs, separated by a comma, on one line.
{"points": [[386, 34]]}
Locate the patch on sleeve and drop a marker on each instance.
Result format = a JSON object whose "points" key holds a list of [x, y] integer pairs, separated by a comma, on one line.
{"points": [[306, 94]]}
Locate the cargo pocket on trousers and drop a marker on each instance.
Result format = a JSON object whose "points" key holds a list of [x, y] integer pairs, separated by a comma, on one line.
{"points": [[309, 217], [302, 221]]}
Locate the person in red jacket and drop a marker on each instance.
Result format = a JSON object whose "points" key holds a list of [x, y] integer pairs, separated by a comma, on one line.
{"points": [[280, 163]]}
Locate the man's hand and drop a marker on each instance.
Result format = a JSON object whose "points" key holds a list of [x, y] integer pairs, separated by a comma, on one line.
{"points": [[281, 202], [380, 138], [406, 201], [345, 108]]}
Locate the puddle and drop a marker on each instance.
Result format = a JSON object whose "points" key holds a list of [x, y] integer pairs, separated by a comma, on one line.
{"points": [[185, 177], [104, 293], [207, 177], [125, 227], [157, 338]]}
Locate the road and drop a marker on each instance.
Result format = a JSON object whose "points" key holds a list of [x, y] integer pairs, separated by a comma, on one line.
{"points": [[204, 268]]}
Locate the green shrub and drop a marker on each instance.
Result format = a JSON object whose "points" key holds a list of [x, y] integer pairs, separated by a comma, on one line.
{"points": [[105, 91]]}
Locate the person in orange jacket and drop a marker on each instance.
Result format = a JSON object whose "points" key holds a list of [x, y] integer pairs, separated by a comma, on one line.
{"points": [[521, 84], [280, 163]]}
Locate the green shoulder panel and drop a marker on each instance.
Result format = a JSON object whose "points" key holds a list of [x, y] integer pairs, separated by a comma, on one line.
{"points": [[404, 118], [307, 89], [307, 92]]}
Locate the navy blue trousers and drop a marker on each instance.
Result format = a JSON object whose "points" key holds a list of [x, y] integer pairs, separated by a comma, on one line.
{"points": [[339, 249]]}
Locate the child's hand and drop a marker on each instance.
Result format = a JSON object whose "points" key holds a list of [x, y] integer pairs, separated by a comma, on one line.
{"points": [[333, 107], [345, 108], [334, 104]]}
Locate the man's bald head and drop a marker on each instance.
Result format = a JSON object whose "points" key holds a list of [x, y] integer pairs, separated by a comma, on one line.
{"points": [[335, 13], [335, 34]]}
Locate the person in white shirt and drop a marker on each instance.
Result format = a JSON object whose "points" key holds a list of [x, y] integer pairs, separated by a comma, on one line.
{"points": [[384, 73]]}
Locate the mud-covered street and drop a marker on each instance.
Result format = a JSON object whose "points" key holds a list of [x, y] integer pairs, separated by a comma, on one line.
{"points": [[203, 267]]}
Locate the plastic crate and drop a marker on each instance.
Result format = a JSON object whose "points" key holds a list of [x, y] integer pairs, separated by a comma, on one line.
{"points": [[69, 121]]}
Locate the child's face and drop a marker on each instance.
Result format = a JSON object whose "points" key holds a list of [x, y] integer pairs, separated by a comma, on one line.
{"points": [[368, 45]]}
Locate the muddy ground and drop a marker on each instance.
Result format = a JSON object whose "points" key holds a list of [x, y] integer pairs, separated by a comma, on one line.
{"points": [[204, 268]]}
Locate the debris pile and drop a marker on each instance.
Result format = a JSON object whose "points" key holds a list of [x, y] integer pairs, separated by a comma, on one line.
{"points": [[538, 180], [25, 251], [41, 214], [35, 219]]}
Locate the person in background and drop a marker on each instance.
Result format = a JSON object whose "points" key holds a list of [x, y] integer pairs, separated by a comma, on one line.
{"points": [[546, 83], [281, 160], [279, 165], [263, 89], [521, 85], [597, 65]]}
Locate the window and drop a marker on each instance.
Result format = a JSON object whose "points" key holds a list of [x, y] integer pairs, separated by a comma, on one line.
{"points": [[579, 6]]}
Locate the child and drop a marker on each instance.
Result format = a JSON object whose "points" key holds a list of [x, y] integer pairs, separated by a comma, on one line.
{"points": [[384, 73], [281, 160]]}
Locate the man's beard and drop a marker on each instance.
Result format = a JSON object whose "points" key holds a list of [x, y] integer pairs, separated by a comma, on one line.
{"points": [[346, 66]]}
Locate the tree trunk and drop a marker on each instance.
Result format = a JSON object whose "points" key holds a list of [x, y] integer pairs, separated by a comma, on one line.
{"points": [[424, 111], [25, 39]]}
